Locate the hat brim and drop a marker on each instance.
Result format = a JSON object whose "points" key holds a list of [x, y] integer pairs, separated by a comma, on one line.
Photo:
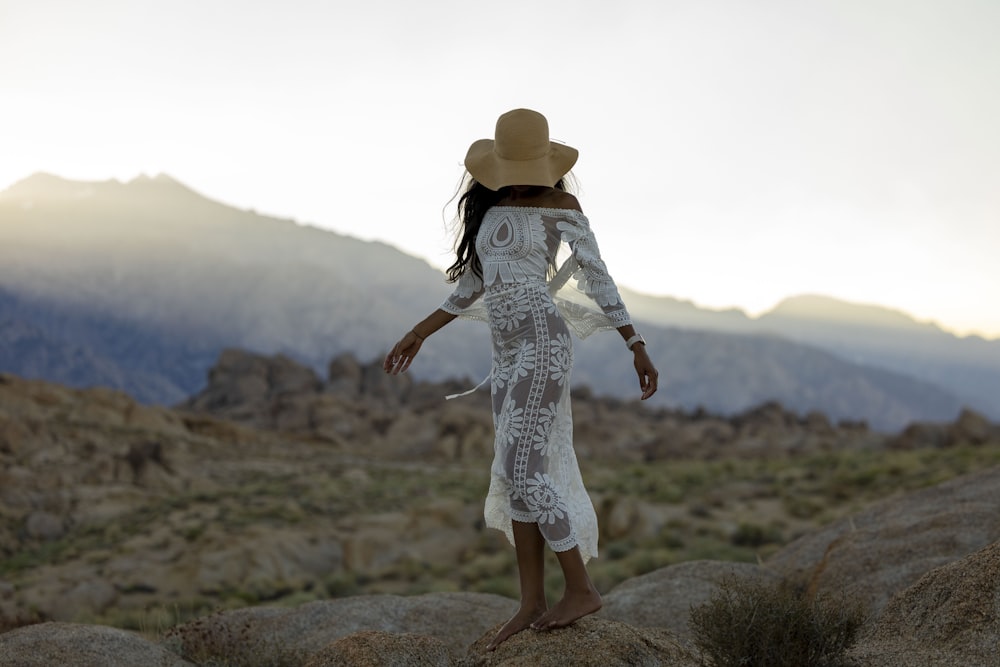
{"points": [[496, 172]]}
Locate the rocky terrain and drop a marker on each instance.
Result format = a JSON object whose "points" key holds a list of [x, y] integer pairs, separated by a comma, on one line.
{"points": [[283, 518]]}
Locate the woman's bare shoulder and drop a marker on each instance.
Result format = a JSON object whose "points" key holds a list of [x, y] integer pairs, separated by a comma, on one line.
{"points": [[561, 199], [543, 198]]}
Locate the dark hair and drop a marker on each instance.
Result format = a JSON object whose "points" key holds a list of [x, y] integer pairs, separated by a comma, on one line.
{"points": [[472, 206]]}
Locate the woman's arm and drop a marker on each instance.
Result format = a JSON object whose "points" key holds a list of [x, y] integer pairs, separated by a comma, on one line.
{"points": [[403, 352], [648, 375], [592, 277], [599, 286]]}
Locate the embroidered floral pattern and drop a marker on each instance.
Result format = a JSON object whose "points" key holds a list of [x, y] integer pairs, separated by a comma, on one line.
{"points": [[561, 361], [508, 244], [503, 365], [542, 440], [544, 499], [469, 284], [524, 358], [535, 475], [510, 423], [592, 276], [509, 309]]}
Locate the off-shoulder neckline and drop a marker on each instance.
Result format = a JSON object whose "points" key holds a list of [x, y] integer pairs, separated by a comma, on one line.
{"points": [[538, 208]]}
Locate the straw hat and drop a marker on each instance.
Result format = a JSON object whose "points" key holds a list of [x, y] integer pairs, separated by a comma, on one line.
{"points": [[521, 153]]}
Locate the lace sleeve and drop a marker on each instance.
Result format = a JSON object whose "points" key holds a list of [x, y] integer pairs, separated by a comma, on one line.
{"points": [[591, 274], [463, 300]]}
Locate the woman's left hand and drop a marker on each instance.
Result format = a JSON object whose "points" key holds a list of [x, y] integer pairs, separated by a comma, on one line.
{"points": [[402, 353], [648, 374]]}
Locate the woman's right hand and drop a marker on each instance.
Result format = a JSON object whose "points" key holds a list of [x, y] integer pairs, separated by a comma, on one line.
{"points": [[402, 353], [648, 375]]}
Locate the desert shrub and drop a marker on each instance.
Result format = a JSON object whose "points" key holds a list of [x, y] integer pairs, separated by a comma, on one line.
{"points": [[758, 624]]}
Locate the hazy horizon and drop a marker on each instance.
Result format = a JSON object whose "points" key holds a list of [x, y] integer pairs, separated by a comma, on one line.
{"points": [[732, 154], [305, 224]]}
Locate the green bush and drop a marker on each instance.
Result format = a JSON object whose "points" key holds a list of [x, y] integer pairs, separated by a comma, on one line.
{"points": [[755, 624]]}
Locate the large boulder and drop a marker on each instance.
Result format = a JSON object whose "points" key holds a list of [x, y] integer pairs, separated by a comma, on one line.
{"points": [[246, 387], [343, 376], [969, 428], [48, 644], [972, 428], [882, 550], [271, 635], [590, 642], [374, 648], [951, 616], [664, 598]]}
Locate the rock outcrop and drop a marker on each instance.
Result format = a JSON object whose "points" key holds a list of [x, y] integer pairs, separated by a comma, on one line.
{"points": [[664, 598], [375, 648], [279, 636], [49, 644], [590, 642], [878, 552], [358, 408], [969, 428], [950, 617], [359, 403]]}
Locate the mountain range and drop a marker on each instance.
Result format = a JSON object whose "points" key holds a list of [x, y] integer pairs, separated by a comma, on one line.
{"points": [[141, 285]]}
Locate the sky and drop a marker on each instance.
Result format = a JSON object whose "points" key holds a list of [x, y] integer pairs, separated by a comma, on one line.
{"points": [[732, 152]]}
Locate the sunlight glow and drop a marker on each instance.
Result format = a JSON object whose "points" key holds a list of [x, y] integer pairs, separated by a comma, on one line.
{"points": [[732, 153]]}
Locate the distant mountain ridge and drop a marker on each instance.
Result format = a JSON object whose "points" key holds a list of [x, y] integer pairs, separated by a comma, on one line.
{"points": [[968, 367], [145, 282]]}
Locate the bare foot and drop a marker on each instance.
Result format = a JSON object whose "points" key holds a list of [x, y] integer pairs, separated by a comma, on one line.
{"points": [[522, 620], [572, 607]]}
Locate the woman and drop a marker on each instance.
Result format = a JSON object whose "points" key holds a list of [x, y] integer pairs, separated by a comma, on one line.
{"points": [[516, 215]]}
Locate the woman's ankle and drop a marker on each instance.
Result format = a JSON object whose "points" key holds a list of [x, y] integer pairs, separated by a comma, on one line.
{"points": [[534, 603]]}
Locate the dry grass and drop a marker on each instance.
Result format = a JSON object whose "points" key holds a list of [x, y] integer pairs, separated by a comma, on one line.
{"points": [[755, 624]]}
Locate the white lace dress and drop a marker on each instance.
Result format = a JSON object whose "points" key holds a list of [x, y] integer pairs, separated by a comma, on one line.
{"points": [[531, 308]]}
